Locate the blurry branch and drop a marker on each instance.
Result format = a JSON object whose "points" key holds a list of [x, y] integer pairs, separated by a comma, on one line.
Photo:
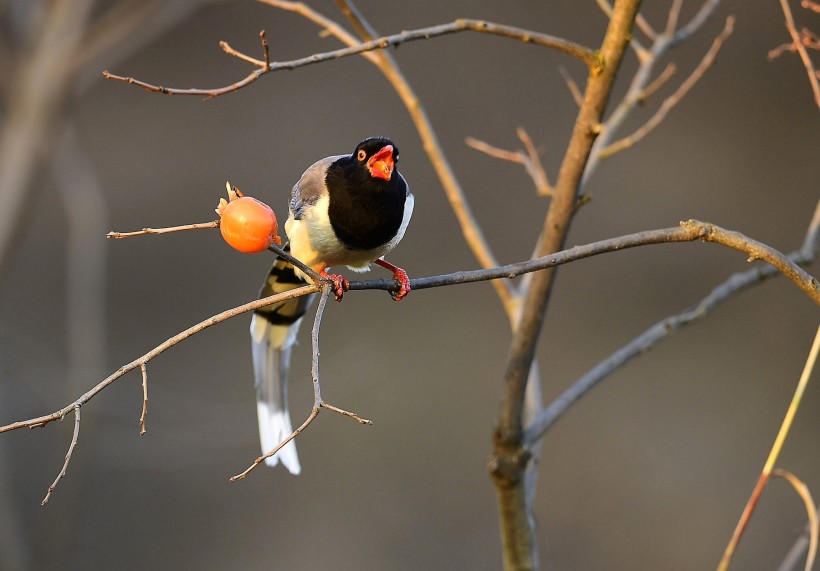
{"points": [[572, 86], [673, 99], [529, 158], [685, 232], [642, 84], [811, 510], [801, 545], [736, 284], [86, 212], [800, 41], [768, 467], [807, 38], [34, 100], [461, 25]]}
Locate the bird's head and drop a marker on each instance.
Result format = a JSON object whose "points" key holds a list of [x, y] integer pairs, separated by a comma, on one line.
{"points": [[378, 155]]}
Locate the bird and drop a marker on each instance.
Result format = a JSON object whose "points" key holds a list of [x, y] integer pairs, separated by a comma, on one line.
{"points": [[348, 210]]}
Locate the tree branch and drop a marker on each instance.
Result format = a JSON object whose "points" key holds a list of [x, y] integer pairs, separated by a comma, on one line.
{"points": [[734, 285], [801, 49], [686, 232], [510, 457], [673, 99], [578, 51], [642, 83]]}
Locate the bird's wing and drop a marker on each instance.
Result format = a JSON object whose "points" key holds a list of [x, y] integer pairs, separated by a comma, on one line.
{"points": [[311, 186]]}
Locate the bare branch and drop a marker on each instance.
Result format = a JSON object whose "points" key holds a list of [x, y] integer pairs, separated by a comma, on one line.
{"points": [[670, 102], [461, 25], [696, 23], [313, 414], [801, 49], [687, 231], [144, 370], [530, 161], [538, 172], [572, 86], [659, 81], [144, 231], [156, 351], [737, 283], [637, 88], [810, 5], [672, 17], [71, 446]]}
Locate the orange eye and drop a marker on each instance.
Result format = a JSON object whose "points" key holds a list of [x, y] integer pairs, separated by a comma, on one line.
{"points": [[361, 155], [249, 225]]}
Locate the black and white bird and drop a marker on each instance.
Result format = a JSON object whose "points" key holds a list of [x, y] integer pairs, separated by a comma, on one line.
{"points": [[346, 210]]}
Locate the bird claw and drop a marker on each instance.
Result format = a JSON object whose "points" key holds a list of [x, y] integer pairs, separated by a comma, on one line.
{"points": [[340, 284], [404, 288]]}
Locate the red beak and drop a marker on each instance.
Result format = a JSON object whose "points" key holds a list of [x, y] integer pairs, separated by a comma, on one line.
{"points": [[381, 164]]}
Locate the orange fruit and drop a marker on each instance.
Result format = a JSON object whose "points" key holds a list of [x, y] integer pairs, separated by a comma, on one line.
{"points": [[248, 225]]}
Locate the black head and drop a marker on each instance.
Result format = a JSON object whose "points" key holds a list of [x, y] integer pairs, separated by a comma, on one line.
{"points": [[378, 157]]}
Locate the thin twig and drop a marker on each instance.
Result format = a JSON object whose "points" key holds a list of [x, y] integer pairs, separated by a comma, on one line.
{"points": [[313, 414], [144, 370], [672, 17], [810, 5], [746, 517], [801, 49], [635, 93], [530, 161], [539, 173], [670, 102], [346, 413], [265, 48], [696, 23], [71, 446], [145, 231], [659, 81], [572, 86]]}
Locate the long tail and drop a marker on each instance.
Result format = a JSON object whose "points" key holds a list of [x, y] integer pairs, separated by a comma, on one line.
{"points": [[273, 334]]}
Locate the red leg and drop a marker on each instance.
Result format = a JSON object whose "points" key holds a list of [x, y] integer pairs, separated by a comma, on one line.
{"points": [[400, 276], [340, 284]]}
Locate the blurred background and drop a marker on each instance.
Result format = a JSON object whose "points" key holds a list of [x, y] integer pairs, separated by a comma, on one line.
{"points": [[649, 471]]}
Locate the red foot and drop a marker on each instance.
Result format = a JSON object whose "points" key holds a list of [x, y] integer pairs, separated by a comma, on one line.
{"points": [[400, 276], [340, 284]]}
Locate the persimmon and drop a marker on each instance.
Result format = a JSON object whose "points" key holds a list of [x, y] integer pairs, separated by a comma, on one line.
{"points": [[247, 224]]}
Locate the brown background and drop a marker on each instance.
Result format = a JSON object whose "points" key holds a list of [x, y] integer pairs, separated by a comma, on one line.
{"points": [[649, 471]]}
